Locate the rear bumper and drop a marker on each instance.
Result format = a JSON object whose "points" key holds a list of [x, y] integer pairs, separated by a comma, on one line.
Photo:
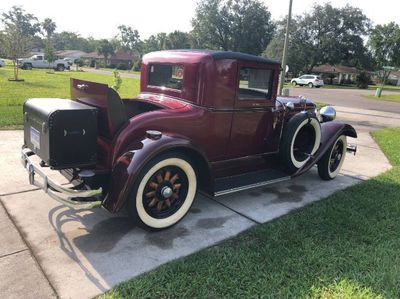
{"points": [[78, 199]]}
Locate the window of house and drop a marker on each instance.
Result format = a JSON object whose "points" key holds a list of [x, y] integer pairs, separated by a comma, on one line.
{"points": [[166, 75], [255, 84]]}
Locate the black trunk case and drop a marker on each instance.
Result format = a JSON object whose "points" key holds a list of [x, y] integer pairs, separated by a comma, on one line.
{"points": [[61, 132]]}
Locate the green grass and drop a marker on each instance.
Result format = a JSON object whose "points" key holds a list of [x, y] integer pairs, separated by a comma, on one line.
{"points": [[346, 246], [38, 83], [392, 97]]}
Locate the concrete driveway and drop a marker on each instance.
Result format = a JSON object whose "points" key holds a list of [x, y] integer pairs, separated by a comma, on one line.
{"points": [[57, 251]]}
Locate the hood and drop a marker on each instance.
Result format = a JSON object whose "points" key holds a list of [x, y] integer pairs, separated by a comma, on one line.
{"points": [[300, 102]]}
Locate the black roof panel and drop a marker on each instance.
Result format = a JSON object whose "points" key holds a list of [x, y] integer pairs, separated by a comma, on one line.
{"points": [[230, 55]]}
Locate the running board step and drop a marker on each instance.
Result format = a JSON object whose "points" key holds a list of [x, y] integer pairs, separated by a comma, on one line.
{"points": [[248, 180]]}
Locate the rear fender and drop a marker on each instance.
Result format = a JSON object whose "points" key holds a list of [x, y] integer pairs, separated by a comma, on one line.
{"points": [[330, 131], [128, 166]]}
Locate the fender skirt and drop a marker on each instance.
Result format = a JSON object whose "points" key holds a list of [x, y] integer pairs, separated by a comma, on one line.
{"points": [[330, 131], [128, 166]]}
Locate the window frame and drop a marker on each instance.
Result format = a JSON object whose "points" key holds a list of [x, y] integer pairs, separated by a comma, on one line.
{"points": [[256, 102], [164, 88]]}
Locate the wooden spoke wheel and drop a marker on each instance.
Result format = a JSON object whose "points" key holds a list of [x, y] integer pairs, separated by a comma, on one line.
{"points": [[164, 192]]}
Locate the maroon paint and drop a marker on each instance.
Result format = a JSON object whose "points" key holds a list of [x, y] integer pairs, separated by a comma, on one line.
{"points": [[205, 118]]}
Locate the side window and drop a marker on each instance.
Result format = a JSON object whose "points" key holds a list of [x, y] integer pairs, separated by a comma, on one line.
{"points": [[255, 84], [166, 75]]}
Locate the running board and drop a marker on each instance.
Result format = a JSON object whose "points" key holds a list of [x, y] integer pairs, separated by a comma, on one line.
{"points": [[249, 180]]}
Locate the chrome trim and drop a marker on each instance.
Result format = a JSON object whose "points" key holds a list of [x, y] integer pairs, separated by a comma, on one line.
{"points": [[251, 186], [64, 195]]}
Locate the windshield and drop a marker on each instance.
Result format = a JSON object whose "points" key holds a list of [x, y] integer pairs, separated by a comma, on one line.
{"points": [[166, 75]]}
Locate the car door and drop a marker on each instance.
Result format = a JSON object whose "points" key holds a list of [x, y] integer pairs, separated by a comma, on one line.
{"points": [[303, 80], [252, 130]]}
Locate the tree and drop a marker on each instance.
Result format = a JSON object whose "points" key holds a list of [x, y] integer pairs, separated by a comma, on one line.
{"points": [[129, 39], [66, 40], [237, 25], [326, 35], [49, 27], [106, 49], [155, 43], [19, 29], [384, 42], [177, 40]]}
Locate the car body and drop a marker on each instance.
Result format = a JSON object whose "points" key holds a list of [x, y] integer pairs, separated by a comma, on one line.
{"points": [[308, 80], [39, 61], [208, 121], [2, 63]]}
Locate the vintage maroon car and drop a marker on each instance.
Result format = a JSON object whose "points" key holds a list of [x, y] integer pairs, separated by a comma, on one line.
{"points": [[208, 121]]}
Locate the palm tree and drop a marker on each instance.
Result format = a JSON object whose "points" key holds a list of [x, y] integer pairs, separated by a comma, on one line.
{"points": [[49, 27]]}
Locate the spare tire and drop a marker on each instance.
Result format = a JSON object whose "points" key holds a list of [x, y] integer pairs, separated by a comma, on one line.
{"points": [[301, 138]]}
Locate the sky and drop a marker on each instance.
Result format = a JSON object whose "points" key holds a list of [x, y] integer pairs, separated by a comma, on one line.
{"points": [[93, 18]]}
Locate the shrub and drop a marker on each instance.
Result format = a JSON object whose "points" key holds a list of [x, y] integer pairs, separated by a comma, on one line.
{"points": [[362, 80], [122, 66]]}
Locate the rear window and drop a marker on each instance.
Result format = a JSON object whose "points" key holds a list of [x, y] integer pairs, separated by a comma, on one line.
{"points": [[166, 75], [255, 84]]}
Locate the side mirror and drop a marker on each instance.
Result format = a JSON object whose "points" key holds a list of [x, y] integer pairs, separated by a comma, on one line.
{"points": [[327, 113]]}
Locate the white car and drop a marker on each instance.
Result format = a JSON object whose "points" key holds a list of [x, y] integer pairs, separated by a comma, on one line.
{"points": [[309, 80], [2, 63], [38, 61]]}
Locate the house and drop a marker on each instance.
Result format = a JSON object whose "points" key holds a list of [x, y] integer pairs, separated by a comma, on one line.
{"points": [[121, 59], [336, 73], [92, 59], [71, 54], [394, 78]]}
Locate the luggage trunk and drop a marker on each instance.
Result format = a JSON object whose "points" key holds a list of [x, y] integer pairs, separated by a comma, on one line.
{"points": [[61, 132]]}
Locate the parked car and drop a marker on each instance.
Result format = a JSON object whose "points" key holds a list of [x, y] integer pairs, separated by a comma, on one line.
{"points": [[38, 61], [309, 80], [207, 121], [2, 63]]}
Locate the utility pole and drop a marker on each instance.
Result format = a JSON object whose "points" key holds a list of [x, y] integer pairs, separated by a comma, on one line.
{"points": [[285, 49]]}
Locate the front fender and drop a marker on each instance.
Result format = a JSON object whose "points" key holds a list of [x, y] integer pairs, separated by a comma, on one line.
{"points": [[128, 166], [330, 131]]}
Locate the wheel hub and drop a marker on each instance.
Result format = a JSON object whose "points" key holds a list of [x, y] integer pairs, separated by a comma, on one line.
{"points": [[166, 192]]}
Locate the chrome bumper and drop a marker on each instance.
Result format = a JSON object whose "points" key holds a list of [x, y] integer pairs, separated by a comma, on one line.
{"points": [[77, 199], [352, 148]]}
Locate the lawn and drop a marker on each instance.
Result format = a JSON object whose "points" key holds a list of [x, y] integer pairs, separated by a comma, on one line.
{"points": [[346, 246], [348, 86], [38, 83], [391, 97]]}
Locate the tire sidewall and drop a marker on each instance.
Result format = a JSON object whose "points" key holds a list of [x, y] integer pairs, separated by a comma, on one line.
{"points": [[314, 122], [136, 206], [342, 138]]}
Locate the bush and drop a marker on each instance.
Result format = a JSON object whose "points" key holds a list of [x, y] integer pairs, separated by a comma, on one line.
{"points": [[136, 66], [362, 80], [122, 66]]}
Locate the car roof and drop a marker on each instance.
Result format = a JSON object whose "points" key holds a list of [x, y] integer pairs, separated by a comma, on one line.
{"points": [[216, 55]]}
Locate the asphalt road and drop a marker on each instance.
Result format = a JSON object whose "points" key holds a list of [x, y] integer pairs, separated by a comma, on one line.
{"points": [[353, 98]]}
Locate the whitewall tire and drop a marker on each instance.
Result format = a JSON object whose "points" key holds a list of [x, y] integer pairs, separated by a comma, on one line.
{"points": [[301, 139], [164, 192], [331, 163]]}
